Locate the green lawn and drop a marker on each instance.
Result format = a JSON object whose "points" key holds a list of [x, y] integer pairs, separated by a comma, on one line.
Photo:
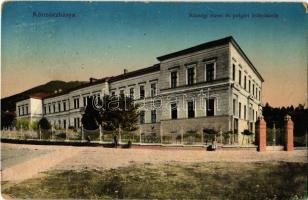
{"points": [[215, 180]]}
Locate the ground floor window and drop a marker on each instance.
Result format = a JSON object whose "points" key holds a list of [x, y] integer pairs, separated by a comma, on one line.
{"points": [[141, 117], [153, 116], [210, 107], [174, 111], [190, 109], [235, 129]]}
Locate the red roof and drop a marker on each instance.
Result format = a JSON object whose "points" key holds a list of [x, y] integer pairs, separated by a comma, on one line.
{"points": [[39, 95]]}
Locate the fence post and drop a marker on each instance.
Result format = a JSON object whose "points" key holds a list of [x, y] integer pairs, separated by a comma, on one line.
{"points": [[119, 134], [140, 139], [100, 134], [40, 132], [261, 134], [82, 134], [66, 135], [51, 132], [182, 136], [288, 131]]}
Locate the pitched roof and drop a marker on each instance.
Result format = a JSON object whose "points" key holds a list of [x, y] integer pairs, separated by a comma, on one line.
{"points": [[111, 79], [210, 44]]}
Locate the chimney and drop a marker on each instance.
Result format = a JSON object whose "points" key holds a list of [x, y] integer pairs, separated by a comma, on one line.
{"points": [[125, 71]]}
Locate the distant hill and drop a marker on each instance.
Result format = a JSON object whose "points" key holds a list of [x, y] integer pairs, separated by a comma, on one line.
{"points": [[8, 103]]}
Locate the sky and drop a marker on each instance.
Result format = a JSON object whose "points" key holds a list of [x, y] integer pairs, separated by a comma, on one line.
{"points": [[105, 37]]}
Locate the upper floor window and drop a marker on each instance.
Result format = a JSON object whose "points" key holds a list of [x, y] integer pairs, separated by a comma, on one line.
{"points": [[153, 116], [259, 95], [239, 110], [234, 101], [190, 75], [45, 110], [245, 82], [113, 93], [253, 89], [76, 103], [54, 107], [210, 108], [249, 84], [26, 109], [142, 92], [190, 109], [153, 89], [173, 79], [141, 117], [174, 111], [85, 101], [210, 71], [121, 92], [233, 72], [240, 77], [59, 106], [131, 93], [23, 112], [245, 112], [64, 106], [49, 108]]}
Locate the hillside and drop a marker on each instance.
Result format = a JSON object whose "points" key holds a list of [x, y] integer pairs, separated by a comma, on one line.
{"points": [[8, 103]]}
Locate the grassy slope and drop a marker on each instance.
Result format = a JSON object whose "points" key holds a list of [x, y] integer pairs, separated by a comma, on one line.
{"points": [[277, 180]]}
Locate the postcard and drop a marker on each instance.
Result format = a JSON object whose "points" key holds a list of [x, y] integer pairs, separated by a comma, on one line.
{"points": [[154, 100]]}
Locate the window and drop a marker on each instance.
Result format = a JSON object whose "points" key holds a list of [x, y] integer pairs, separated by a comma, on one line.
{"points": [[210, 76], [253, 89], [173, 79], [45, 109], [256, 115], [76, 103], [239, 110], [245, 112], [142, 92], [64, 123], [240, 77], [190, 75], [59, 123], [26, 110], [153, 89], [85, 102], [245, 82], [131, 93], [23, 112], [249, 83], [153, 116], [256, 93], [49, 108], [253, 115], [259, 95], [233, 72], [234, 101], [142, 117], [64, 106], [113, 93], [54, 107], [121, 92], [19, 113], [77, 122], [59, 107], [190, 109], [174, 111], [210, 107]]}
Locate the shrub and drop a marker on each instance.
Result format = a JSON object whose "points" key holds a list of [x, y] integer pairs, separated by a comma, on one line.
{"points": [[22, 123], [44, 123]]}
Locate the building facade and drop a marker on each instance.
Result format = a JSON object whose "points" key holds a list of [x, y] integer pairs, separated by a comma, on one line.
{"points": [[209, 86]]}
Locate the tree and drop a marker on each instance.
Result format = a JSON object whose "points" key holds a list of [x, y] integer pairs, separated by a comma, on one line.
{"points": [[44, 123], [7, 119], [112, 112]]}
